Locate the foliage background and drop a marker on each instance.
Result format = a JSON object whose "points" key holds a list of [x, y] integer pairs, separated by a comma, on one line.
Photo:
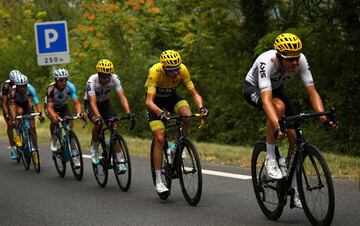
{"points": [[218, 41]]}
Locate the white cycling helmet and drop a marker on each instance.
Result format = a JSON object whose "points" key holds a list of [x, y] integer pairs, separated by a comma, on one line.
{"points": [[20, 80], [13, 74], [60, 73]]}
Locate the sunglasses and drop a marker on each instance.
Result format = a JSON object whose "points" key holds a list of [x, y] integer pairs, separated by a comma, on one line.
{"points": [[173, 69], [292, 59], [62, 79], [105, 76]]}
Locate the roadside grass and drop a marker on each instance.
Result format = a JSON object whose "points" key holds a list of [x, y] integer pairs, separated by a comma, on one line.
{"points": [[341, 166]]}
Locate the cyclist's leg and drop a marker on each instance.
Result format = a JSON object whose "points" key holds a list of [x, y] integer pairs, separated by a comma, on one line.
{"points": [[10, 132], [182, 107]]}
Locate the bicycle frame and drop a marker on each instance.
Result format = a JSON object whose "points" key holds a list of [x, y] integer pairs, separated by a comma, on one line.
{"points": [[178, 140], [24, 130], [112, 127], [65, 138], [296, 157]]}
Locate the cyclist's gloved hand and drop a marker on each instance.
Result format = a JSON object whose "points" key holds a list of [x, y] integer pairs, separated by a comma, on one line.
{"points": [[99, 120], [164, 116], [278, 134], [204, 111], [81, 115], [132, 119], [329, 125], [15, 123], [41, 118], [7, 117]]}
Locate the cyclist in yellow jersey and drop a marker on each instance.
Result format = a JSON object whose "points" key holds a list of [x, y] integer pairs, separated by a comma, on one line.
{"points": [[162, 99]]}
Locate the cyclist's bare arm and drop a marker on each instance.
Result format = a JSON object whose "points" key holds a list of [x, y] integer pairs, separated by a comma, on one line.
{"points": [[93, 105], [77, 105], [151, 105], [50, 109], [315, 100], [123, 100], [4, 102], [197, 98]]}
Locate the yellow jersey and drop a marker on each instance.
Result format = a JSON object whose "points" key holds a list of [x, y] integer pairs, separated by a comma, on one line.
{"points": [[162, 85]]}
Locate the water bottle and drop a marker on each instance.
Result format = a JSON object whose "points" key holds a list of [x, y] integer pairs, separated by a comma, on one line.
{"points": [[17, 140], [283, 166], [171, 152]]}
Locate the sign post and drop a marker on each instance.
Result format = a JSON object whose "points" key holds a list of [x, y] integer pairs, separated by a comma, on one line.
{"points": [[52, 45]]}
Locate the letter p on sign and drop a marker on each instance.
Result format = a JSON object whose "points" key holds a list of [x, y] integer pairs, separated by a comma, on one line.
{"points": [[51, 37]]}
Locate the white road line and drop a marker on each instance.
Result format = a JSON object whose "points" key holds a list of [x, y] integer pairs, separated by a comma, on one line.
{"points": [[213, 173]]}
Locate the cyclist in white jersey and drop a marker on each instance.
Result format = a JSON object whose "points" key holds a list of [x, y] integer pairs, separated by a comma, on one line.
{"points": [[97, 104], [263, 88]]}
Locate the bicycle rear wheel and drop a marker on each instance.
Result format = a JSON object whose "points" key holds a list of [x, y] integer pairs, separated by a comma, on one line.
{"points": [[315, 187], [101, 169], [58, 157], [76, 155], [122, 166], [189, 171], [165, 172], [266, 189]]}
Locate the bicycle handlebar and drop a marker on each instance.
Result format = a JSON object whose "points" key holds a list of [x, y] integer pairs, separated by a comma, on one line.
{"points": [[178, 117], [302, 116], [68, 118], [120, 118], [27, 116]]}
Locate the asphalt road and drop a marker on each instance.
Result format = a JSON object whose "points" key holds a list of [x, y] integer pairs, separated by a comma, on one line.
{"points": [[28, 198]]}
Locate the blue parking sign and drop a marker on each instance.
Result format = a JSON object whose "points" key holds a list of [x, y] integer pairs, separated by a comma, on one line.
{"points": [[51, 37]]}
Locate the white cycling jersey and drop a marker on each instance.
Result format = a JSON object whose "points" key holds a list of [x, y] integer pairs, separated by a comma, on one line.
{"points": [[94, 87], [265, 72]]}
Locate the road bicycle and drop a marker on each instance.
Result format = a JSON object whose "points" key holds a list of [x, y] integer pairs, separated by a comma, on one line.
{"points": [[107, 155], [184, 163], [25, 147], [68, 148], [315, 185]]}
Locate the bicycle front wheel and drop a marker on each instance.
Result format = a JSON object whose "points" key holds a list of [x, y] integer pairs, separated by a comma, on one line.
{"points": [[316, 189], [266, 189], [76, 159], [101, 169], [35, 156], [166, 174], [58, 157], [121, 162], [189, 171]]}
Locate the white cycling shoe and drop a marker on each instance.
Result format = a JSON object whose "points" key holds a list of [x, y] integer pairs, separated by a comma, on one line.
{"points": [[95, 156], [273, 169], [295, 202], [161, 188]]}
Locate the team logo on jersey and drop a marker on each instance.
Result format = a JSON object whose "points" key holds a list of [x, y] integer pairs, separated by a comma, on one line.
{"points": [[262, 70]]}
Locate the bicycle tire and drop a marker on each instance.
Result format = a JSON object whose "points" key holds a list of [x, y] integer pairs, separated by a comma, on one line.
{"points": [[26, 153], [59, 159], [18, 155], [189, 171], [35, 156], [314, 164], [101, 170], [267, 191], [165, 171], [123, 179], [78, 172]]}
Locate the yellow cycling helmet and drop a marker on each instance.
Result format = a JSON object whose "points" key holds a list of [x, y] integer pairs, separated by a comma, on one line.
{"points": [[170, 58], [105, 66], [288, 45]]}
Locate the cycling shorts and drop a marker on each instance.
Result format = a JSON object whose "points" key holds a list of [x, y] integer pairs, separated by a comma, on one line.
{"points": [[62, 111], [105, 109], [170, 103], [252, 96]]}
